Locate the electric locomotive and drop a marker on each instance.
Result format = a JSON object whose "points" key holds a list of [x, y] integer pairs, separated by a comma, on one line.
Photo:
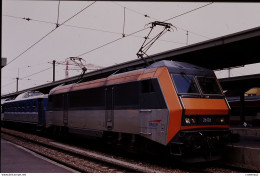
{"points": [[174, 105]]}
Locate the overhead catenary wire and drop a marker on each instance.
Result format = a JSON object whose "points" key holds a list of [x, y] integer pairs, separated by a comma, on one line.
{"points": [[145, 15], [117, 38], [127, 35], [36, 73], [141, 30], [38, 41], [92, 29], [188, 11], [149, 16], [10, 83]]}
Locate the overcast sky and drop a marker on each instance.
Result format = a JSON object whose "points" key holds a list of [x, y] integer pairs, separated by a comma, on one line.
{"points": [[102, 23]]}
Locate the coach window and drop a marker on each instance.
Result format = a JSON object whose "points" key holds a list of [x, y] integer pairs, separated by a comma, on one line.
{"points": [[28, 107], [22, 107], [6, 108], [33, 106], [19, 107]]}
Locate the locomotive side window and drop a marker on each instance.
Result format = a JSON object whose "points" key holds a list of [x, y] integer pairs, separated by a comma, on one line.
{"points": [[126, 95], [147, 86], [208, 85], [57, 101], [185, 84], [151, 97], [87, 98]]}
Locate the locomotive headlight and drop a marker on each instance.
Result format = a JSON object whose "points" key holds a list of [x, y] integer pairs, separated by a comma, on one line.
{"points": [[222, 120], [187, 120], [193, 120]]}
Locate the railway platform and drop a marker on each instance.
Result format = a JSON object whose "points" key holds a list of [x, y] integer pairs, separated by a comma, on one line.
{"points": [[247, 151], [15, 159]]}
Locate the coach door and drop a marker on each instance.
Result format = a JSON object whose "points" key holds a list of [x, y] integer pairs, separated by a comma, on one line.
{"points": [[65, 111], [109, 107]]}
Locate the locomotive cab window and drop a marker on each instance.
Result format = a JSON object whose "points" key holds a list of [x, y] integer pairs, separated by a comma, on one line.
{"points": [[209, 85], [185, 84]]}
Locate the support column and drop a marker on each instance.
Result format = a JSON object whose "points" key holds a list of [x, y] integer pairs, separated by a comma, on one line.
{"points": [[17, 79], [53, 64], [242, 106]]}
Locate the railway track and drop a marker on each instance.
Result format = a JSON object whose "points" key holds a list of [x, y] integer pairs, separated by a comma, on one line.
{"points": [[72, 157], [88, 160]]}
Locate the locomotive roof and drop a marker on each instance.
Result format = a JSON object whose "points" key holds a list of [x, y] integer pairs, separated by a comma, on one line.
{"points": [[173, 67], [183, 68]]}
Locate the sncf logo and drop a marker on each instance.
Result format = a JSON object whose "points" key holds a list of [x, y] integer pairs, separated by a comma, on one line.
{"points": [[154, 123]]}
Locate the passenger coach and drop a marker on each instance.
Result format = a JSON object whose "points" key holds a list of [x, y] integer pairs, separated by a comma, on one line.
{"points": [[28, 108]]}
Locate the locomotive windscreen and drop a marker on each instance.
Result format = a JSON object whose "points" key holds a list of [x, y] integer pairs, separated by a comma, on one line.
{"points": [[196, 85], [208, 85], [185, 84]]}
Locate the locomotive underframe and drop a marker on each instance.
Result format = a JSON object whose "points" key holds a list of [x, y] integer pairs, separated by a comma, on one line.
{"points": [[201, 145]]}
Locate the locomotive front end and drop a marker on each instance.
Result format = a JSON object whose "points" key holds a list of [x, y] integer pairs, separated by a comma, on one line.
{"points": [[204, 129]]}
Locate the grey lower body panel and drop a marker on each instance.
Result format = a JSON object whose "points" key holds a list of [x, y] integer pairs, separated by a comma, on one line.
{"points": [[151, 124]]}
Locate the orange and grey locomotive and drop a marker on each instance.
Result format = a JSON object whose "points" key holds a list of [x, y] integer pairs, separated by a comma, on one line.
{"points": [[174, 105]]}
